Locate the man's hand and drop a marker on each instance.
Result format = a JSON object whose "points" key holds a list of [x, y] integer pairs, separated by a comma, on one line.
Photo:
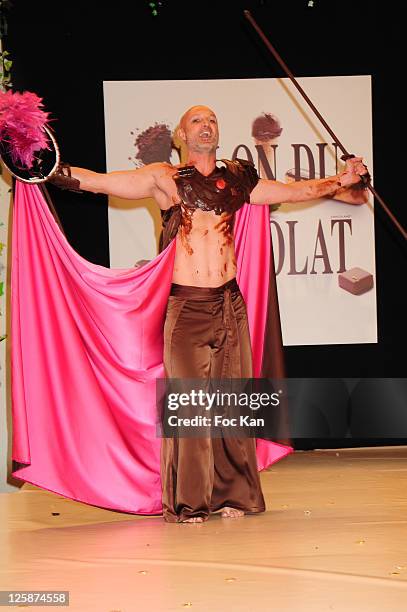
{"points": [[275, 192], [355, 168]]}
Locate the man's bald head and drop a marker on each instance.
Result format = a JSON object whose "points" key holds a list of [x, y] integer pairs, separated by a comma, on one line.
{"points": [[198, 130], [194, 109]]}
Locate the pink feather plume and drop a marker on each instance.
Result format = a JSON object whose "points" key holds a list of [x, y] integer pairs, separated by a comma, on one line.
{"points": [[22, 122]]}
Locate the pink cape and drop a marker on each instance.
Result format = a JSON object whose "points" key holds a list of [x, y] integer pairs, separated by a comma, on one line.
{"points": [[87, 347]]}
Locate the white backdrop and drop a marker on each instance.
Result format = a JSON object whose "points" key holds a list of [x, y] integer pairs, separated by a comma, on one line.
{"points": [[314, 309]]}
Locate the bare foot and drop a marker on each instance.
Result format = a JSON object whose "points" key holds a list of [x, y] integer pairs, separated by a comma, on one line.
{"points": [[228, 512], [193, 519]]}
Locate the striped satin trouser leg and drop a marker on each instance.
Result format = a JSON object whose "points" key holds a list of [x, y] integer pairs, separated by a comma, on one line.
{"points": [[206, 335]]}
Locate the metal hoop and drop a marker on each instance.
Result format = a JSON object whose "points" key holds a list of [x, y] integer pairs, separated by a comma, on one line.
{"points": [[37, 179]]}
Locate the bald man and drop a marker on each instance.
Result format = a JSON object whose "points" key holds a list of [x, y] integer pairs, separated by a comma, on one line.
{"points": [[206, 333]]}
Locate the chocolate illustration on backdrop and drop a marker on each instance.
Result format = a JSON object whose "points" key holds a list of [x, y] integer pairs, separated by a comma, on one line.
{"points": [[266, 130], [153, 144], [356, 281]]}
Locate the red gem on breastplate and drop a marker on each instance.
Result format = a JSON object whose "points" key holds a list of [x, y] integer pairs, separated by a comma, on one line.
{"points": [[220, 184]]}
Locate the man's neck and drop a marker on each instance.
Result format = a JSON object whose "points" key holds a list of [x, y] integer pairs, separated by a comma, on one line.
{"points": [[204, 162]]}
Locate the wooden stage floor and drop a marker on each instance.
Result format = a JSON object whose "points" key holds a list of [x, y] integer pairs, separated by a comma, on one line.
{"points": [[334, 537]]}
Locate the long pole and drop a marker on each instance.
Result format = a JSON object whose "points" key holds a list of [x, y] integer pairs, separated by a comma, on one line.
{"points": [[346, 154]]}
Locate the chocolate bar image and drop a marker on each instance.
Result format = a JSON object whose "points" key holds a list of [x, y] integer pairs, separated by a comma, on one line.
{"points": [[356, 281]]}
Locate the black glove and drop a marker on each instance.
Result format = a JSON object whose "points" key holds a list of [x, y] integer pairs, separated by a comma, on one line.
{"points": [[62, 178]]}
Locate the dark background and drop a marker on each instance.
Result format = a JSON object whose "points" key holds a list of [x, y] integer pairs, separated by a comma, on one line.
{"points": [[64, 50]]}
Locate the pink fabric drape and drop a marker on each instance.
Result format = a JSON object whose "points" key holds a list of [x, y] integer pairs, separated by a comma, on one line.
{"points": [[87, 347]]}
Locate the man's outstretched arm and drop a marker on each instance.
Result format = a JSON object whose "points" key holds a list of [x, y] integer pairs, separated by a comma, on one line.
{"points": [[154, 180], [338, 187], [128, 184]]}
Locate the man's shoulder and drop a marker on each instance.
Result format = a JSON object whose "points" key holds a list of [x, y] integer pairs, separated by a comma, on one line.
{"points": [[244, 170], [160, 168]]}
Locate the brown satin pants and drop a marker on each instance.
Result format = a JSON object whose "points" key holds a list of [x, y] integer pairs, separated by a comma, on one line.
{"points": [[206, 335]]}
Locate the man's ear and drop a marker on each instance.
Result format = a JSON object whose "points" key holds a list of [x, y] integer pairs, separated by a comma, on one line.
{"points": [[179, 137], [181, 134]]}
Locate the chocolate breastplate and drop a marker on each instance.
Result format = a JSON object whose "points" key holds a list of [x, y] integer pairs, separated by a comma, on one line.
{"points": [[226, 189]]}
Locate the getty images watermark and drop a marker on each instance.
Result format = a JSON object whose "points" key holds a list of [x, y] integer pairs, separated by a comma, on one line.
{"points": [[215, 403], [280, 408], [216, 408]]}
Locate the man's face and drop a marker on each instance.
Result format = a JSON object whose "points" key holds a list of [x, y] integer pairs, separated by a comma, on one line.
{"points": [[199, 129]]}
